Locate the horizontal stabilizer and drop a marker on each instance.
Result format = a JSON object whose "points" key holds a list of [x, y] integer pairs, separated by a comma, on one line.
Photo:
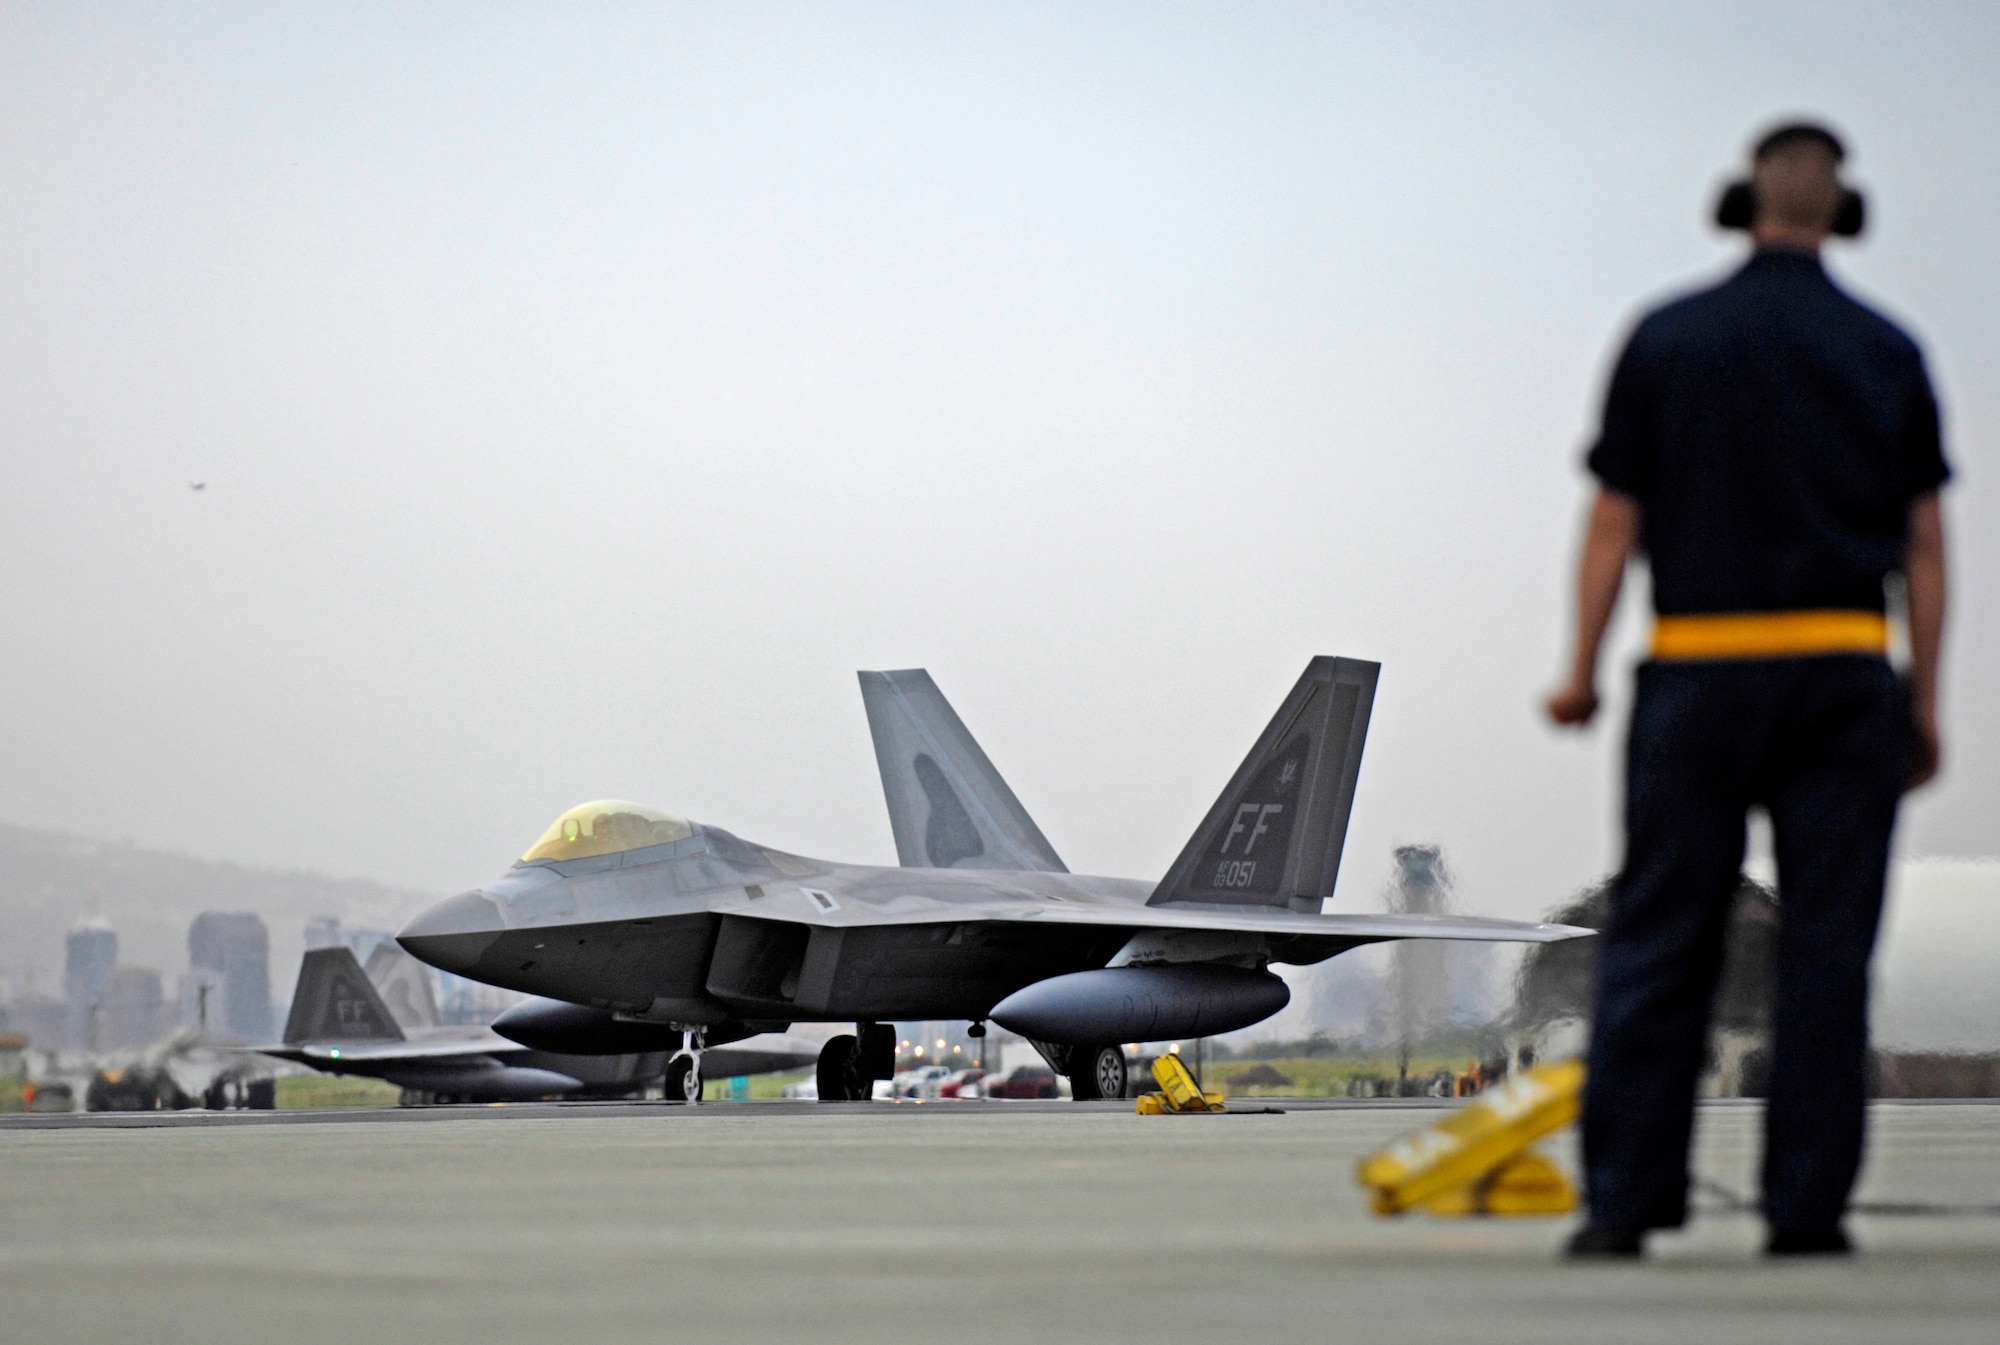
{"points": [[1274, 837], [948, 807]]}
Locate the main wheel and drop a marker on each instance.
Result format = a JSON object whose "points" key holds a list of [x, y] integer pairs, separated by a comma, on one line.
{"points": [[836, 1074], [683, 1080], [1099, 1072], [874, 1057]]}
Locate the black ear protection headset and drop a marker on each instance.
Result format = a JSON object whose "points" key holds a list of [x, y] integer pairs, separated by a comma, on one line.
{"points": [[1737, 207]]}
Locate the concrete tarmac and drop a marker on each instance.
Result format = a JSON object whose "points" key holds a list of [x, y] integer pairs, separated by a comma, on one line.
{"points": [[967, 1222]]}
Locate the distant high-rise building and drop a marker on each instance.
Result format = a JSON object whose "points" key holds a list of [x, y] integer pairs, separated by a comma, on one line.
{"points": [[90, 951], [236, 947], [42, 1019], [200, 999], [132, 1012], [1421, 887], [364, 942], [326, 931]]}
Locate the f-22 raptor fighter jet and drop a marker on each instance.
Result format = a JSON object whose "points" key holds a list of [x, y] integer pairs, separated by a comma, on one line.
{"points": [[644, 924]]}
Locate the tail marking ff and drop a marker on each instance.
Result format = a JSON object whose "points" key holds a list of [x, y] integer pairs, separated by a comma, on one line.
{"points": [[335, 1001], [1274, 836]]}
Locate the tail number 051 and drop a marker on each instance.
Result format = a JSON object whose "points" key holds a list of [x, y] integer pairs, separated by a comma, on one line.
{"points": [[1235, 873]]}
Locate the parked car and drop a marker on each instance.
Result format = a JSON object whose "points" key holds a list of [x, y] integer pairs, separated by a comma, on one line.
{"points": [[920, 1081], [1022, 1081], [955, 1084]]}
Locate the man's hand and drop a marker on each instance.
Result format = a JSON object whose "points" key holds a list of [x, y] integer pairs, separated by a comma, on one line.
{"points": [[1609, 536], [1574, 706], [1929, 750], [1924, 576]]}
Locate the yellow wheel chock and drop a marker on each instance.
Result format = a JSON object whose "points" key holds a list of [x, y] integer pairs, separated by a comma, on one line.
{"points": [[1477, 1160], [1178, 1091]]}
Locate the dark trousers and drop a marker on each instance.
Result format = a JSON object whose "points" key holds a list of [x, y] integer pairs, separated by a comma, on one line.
{"points": [[1822, 743]]}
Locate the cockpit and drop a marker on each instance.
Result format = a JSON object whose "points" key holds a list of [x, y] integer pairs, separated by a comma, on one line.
{"points": [[607, 827]]}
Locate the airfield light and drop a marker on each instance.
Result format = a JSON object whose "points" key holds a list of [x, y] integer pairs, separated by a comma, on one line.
{"points": [[920, 1048], [1175, 1049], [954, 1050], [336, 1053], [940, 1043]]}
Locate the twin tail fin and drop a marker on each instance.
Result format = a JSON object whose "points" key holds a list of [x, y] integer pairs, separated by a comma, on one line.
{"points": [[1274, 837], [948, 806], [335, 1001]]}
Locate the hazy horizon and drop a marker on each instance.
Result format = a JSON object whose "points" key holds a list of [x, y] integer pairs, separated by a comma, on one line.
{"points": [[582, 394]]}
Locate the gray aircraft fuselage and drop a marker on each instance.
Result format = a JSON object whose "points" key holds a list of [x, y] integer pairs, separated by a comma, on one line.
{"points": [[712, 929]]}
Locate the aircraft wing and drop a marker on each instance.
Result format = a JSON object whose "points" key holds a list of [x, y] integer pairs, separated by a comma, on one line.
{"points": [[1076, 905], [1267, 920], [388, 1052]]}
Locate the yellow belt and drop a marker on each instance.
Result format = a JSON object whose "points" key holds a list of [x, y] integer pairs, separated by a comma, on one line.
{"points": [[1770, 635]]}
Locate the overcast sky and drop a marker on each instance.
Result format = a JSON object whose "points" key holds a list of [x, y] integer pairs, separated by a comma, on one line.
{"points": [[585, 392]]}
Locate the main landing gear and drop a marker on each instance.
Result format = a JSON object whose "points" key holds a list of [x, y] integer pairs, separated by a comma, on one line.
{"points": [[849, 1065], [1095, 1073]]}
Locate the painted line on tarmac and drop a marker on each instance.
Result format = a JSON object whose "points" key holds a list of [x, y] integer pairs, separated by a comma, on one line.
{"points": [[528, 1111]]}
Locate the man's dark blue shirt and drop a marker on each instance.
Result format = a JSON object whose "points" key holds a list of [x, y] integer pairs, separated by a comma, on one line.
{"points": [[1774, 432]]}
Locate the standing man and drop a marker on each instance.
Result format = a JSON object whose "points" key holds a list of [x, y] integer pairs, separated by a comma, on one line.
{"points": [[1771, 446]]}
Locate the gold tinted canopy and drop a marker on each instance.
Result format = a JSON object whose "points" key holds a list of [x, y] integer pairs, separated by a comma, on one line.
{"points": [[606, 827]]}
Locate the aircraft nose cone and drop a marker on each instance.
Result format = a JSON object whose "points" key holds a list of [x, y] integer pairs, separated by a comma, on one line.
{"points": [[453, 934]]}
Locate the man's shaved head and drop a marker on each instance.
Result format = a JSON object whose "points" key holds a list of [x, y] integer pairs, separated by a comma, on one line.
{"points": [[1796, 172]]}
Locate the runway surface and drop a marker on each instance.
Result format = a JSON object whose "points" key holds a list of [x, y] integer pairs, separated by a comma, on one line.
{"points": [[966, 1222]]}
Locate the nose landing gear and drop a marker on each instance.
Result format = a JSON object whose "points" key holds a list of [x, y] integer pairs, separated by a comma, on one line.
{"points": [[684, 1069]]}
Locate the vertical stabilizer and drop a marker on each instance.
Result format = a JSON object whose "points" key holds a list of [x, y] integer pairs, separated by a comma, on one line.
{"points": [[1275, 835], [404, 985], [948, 807], [334, 1001]]}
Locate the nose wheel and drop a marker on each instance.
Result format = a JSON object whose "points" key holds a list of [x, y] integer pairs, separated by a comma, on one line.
{"points": [[684, 1069]]}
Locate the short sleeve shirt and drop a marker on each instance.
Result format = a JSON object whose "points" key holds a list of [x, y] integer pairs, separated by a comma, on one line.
{"points": [[1774, 431]]}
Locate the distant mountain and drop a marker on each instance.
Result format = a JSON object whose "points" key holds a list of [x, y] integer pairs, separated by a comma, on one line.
{"points": [[49, 880]]}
